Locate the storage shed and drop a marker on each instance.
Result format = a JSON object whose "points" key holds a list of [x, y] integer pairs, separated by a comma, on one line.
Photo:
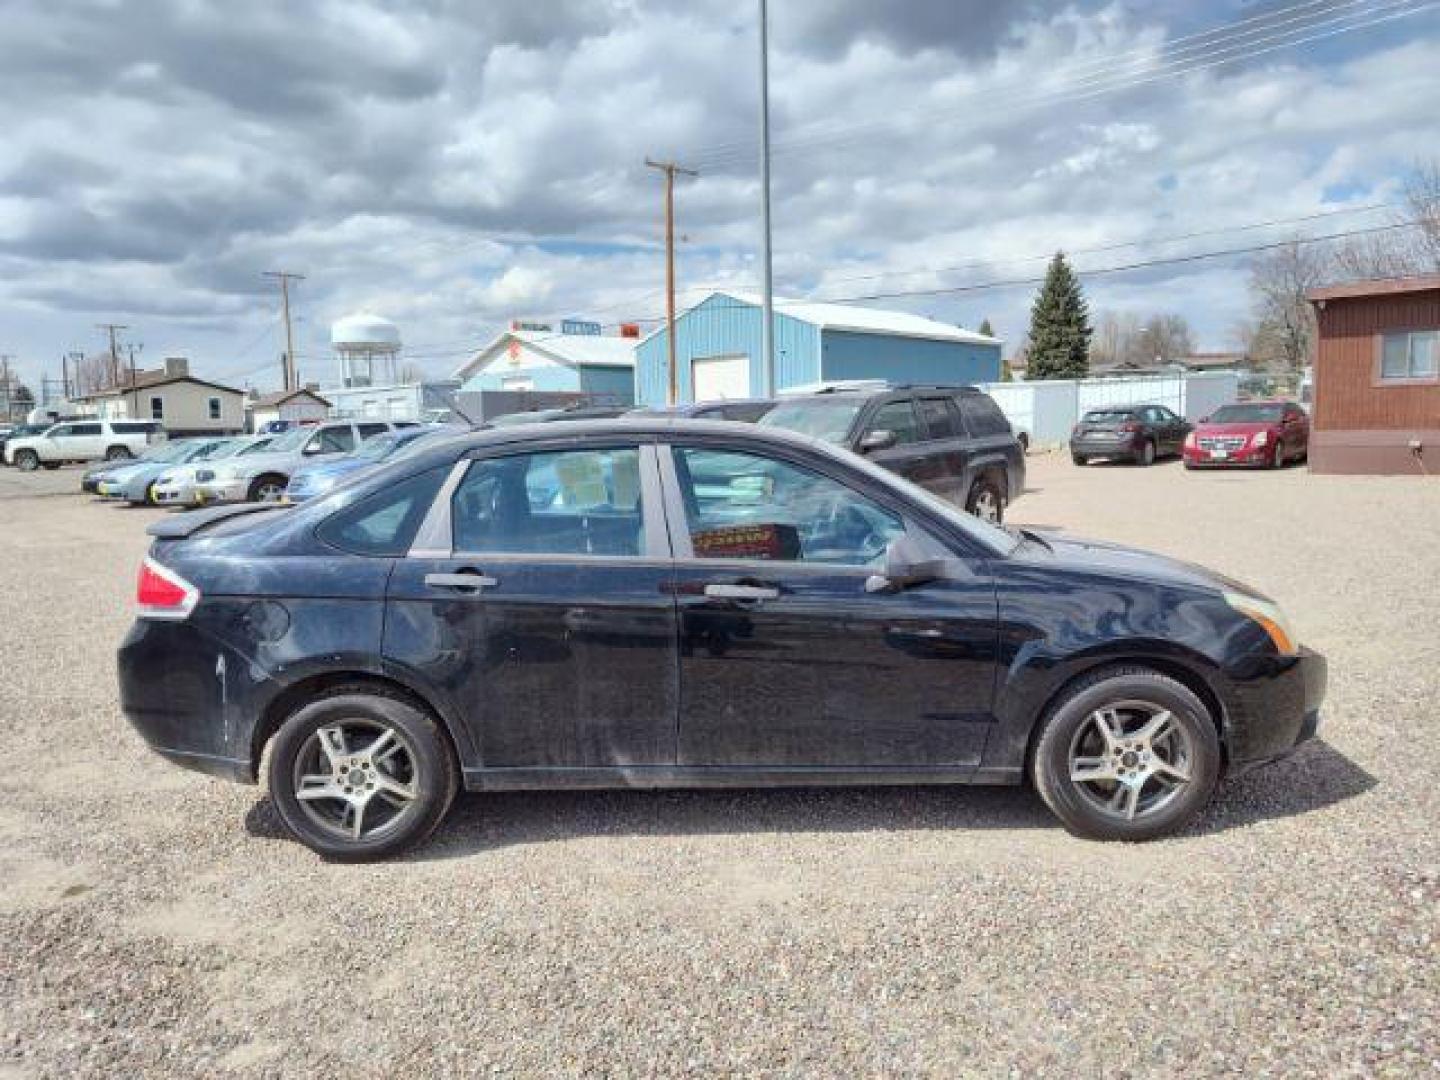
{"points": [[602, 368], [1377, 377], [718, 349]]}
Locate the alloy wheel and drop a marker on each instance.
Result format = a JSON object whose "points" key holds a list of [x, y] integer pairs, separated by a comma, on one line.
{"points": [[1131, 759], [356, 779], [269, 492], [987, 506]]}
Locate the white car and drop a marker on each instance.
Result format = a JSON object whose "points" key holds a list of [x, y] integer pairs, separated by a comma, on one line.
{"points": [[262, 477], [178, 486], [83, 440]]}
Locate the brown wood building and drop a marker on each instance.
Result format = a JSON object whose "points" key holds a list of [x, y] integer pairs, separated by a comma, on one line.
{"points": [[1377, 377]]}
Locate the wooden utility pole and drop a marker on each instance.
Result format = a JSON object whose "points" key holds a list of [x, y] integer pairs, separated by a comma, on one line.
{"points": [[285, 277], [134, 391], [670, 168], [5, 359], [112, 369]]}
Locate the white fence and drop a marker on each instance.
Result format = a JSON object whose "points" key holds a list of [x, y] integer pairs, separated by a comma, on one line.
{"points": [[1049, 408]]}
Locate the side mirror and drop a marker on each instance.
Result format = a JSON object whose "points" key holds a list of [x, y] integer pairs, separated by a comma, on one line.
{"points": [[878, 440], [905, 565]]}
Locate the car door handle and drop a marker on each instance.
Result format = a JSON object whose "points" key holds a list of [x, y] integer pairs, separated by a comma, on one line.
{"points": [[460, 582], [742, 592]]}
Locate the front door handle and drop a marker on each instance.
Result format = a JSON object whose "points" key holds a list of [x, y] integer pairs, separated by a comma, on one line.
{"points": [[742, 592], [471, 582]]}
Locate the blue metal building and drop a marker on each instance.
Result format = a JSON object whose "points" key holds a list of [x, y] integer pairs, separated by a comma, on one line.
{"points": [[543, 359], [718, 349]]}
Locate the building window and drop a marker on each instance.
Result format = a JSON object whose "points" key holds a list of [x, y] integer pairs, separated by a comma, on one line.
{"points": [[1412, 354], [157, 408], [214, 406]]}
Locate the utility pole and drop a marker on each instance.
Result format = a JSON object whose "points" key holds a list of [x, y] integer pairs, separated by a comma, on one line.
{"points": [[285, 277], [71, 357], [134, 391], [5, 359], [670, 168], [767, 338], [113, 368]]}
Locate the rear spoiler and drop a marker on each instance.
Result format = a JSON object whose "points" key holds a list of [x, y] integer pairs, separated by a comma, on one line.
{"points": [[179, 526]]}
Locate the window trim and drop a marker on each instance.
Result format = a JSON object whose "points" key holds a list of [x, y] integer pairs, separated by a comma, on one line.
{"points": [[435, 539], [1381, 381]]}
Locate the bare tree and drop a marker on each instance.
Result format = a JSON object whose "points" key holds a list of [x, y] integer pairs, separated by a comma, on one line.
{"points": [[1123, 339], [1413, 246], [1284, 324]]}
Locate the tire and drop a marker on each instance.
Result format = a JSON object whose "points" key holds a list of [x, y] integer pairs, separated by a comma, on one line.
{"points": [[27, 460], [1145, 456], [118, 453], [266, 488], [417, 759], [1024, 441], [1080, 459], [1103, 807], [986, 501], [1277, 460]]}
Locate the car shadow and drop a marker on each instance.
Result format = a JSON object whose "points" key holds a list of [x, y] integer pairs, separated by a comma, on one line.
{"points": [[1127, 463], [1316, 776]]}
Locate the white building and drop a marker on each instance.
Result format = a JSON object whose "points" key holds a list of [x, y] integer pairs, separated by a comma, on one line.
{"points": [[185, 404]]}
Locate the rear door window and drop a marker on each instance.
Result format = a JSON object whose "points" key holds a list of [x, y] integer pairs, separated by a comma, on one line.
{"points": [[85, 429], [366, 430], [897, 417], [937, 419]]}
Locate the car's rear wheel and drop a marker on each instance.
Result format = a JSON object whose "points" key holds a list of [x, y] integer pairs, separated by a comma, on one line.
{"points": [[358, 775], [1080, 459], [1128, 754], [267, 488], [117, 453], [1146, 454], [986, 501], [27, 460]]}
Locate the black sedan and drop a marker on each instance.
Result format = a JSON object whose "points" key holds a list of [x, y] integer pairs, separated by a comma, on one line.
{"points": [[1139, 433], [671, 603]]}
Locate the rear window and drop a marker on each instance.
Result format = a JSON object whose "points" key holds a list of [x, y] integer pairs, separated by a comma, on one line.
{"points": [[982, 416], [1109, 416], [384, 523]]}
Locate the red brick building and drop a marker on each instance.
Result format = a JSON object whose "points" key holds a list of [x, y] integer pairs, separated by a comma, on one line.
{"points": [[1377, 377]]}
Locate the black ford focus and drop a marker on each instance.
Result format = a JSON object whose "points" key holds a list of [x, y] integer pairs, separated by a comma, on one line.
{"points": [[671, 603]]}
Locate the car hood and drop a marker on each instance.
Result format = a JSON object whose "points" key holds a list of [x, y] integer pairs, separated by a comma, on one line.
{"points": [[1102, 557], [1250, 428], [251, 464]]}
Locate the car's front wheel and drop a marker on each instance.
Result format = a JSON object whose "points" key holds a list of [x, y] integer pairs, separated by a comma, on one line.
{"points": [[118, 453], [1145, 456], [27, 460], [358, 775], [267, 488], [1128, 754]]}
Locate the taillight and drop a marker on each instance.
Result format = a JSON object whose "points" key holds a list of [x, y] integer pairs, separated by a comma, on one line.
{"points": [[1130, 429], [160, 593]]}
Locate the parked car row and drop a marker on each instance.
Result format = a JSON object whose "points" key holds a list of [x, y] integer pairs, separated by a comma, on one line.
{"points": [[1255, 433]]}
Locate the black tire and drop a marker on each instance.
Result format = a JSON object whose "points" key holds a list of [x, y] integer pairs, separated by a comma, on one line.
{"points": [[269, 486], [1024, 441], [118, 453], [1145, 456], [27, 460], [1080, 459], [1076, 805], [434, 775], [1277, 460], [986, 500]]}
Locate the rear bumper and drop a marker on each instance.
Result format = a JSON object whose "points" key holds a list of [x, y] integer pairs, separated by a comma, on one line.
{"points": [[1103, 447], [1275, 707]]}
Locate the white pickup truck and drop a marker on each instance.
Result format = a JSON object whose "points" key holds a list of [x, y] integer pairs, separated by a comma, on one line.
{"points": [[83, 440]]}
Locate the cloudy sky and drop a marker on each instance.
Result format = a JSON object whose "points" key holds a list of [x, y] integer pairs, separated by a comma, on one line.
{"points": [[453, 164]]}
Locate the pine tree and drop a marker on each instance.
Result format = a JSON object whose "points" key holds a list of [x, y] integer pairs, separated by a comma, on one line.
{"points": [[986, 329], [1059, 326]]}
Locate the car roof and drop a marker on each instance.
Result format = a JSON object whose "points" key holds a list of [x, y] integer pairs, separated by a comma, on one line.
{"points": [[836, 393]]}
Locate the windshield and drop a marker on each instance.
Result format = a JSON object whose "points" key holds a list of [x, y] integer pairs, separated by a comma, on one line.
{"points": [[171, 451], [1253, 413], [379, 447], [820, 418], [293, 439]]}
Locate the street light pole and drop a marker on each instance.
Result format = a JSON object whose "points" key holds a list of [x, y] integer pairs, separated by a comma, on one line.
{"points": [[767, 339]]}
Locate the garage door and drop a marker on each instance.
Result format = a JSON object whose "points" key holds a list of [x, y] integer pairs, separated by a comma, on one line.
{"points": [[717, 377]]}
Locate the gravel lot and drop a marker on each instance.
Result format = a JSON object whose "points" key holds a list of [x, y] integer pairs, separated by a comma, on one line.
{"points": [[156, 921]]}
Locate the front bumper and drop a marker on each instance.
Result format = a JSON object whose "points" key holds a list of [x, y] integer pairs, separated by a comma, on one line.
{"points": [[1253, 456], [1274, 707], [222, 491], [173, 494]]}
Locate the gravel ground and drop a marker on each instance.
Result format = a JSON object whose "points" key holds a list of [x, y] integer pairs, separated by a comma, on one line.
{"points": [[157, 922]]}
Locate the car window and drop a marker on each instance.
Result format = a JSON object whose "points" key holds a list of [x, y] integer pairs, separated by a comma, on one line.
{"points": [[937, 418], [897, 417], [86, 429], [827, 418], [334, 440], [385, 522], [366, 430], [747, 506], [982, 416], [564, 502], [59, 432]]}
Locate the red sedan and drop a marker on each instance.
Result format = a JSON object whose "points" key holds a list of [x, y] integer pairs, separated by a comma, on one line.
{"points": [[1266, 434]]}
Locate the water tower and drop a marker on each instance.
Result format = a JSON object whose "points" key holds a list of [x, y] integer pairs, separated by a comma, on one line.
{"points": [[368, 347]]}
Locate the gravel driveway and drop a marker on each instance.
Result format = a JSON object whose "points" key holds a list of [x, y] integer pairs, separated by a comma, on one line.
{"points": [[156, 921]]}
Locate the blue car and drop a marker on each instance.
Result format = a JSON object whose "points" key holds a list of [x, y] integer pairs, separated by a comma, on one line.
{"points": [[134, 481], [323, 476], [678, 603]]}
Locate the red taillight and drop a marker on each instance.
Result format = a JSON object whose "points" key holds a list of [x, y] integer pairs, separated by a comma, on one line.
{"points": [[1130, 428], [161, 593]]}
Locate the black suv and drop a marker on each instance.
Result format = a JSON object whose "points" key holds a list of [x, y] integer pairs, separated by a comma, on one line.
{"points": [[953, 440]]}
